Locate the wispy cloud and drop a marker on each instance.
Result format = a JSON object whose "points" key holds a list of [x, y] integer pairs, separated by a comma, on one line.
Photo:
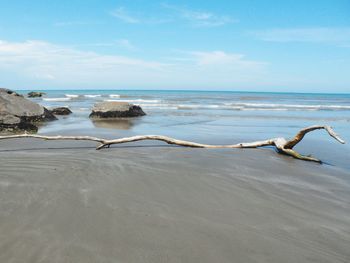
{"points": [[40, 59], [76, 23], [198, 17], [217, 57], [122, 14], [308, 34], [125, 43], [122, 43], [59, 65], [174, 13]]}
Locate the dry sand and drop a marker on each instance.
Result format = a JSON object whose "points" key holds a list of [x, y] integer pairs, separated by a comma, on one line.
{"points": [[168, 204]]}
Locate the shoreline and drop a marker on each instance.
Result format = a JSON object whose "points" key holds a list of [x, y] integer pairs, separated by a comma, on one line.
{"points": [[186, 90], [330, 152]]}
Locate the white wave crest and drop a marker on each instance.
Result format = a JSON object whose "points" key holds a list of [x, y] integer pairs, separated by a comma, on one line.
{"points": [[71, 95], [277, 106], [114, 96], [263, 107], [159, 106], [92, 95], [198, 106], [56, 99], [137, 101]]}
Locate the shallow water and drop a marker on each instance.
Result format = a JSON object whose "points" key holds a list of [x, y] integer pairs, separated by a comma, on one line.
{"points": [[215, 117]]}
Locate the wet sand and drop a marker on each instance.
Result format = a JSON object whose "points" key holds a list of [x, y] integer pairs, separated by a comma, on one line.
{"points": [[67, 202]]}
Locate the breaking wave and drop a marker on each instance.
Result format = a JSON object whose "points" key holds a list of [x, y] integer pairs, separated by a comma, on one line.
{"points": [[56, 99], [92, 95], [71, 95], [114, 96]]}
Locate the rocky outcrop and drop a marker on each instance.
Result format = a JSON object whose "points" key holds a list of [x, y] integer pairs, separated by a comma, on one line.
{"points": [[35, 94], [8, 91], [115, 109], [19, 113], [61, 111], [12, 123]]}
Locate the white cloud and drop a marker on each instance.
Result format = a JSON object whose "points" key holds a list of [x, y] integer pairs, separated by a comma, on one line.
{"points": [[206, 19], [200, 18], [311, 34], [122, 14], [220, 57], [39, 59], [175, 13], [76, 23], [125, 43], [60, 66]]}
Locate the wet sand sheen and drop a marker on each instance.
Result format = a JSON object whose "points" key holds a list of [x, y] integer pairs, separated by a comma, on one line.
{"points": [[168, 204]]}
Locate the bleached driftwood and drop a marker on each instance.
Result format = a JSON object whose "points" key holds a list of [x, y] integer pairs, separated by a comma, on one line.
{"points": [[281, 144]]}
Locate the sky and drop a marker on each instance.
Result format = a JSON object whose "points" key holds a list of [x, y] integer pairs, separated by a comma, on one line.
{"points": [[253, 45]]}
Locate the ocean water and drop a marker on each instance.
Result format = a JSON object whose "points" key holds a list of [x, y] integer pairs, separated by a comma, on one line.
{"points": [[212, 117]]}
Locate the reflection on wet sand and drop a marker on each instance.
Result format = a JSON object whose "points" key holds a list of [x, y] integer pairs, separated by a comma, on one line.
{"points": [[119, 124]]}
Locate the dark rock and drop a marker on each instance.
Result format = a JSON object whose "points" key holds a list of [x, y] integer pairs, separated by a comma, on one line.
{"points": [[61, 111], [35, 94], [10, 123], [115, 109], [8, 91], [19, 113]]}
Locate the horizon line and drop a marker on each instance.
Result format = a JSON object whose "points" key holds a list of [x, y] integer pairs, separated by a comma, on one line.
{"points": [[185, 90]]}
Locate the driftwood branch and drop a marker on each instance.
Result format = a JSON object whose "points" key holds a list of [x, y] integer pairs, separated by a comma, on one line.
{"points": [[281, 144], [300, 135]]}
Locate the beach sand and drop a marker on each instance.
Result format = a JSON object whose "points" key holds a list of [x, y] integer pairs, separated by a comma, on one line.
{"points": [[66, 202]]}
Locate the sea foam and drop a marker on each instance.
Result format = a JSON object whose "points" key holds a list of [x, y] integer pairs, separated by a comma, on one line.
{"points": [[278, 106], [71, 95], [92, 95], [137, 101], [56, 99], [114, 96]]}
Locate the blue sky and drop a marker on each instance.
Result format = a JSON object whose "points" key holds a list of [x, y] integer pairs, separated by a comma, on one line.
{"points": [[301, 46]]}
